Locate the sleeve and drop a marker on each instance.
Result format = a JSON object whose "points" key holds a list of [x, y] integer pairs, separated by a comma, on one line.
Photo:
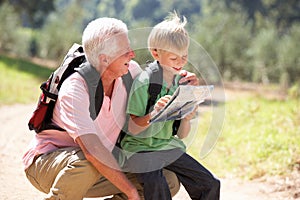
{"points": [[134, 68], [138, 97], [73, 107]]}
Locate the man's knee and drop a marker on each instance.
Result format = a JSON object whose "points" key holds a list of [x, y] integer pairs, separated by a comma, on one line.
{"points": [[172, 181]]}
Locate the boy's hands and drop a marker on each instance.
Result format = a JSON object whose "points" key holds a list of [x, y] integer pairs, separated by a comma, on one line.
{"points": [[191, 115], [160, 104], [188, 78], [185, 125]]}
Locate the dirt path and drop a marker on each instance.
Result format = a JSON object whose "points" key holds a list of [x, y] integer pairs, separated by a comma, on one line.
{"points": [[15, 136]]}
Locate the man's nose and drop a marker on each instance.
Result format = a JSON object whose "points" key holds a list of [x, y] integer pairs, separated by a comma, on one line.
{"points": [[131, 54]]}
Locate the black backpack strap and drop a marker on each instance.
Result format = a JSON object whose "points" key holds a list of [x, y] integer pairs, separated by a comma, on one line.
{"points": [[175, 126], [95, 87], [127, 80], [155, 73]]}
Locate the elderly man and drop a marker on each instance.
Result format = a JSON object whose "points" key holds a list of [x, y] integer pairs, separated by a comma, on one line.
{"points": [[78, 162]]}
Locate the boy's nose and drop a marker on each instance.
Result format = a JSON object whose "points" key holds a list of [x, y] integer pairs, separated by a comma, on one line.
{"points": [[181, 61]]}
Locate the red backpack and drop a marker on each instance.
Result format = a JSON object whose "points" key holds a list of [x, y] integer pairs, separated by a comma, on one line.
{"points": [[74, 61]]}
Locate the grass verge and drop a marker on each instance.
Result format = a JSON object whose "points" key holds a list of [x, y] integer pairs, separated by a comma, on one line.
{"points": [[20, 80], [259, 137]]}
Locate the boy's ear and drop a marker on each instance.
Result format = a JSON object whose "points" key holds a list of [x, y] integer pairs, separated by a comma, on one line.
{"points": [[154, 54]]}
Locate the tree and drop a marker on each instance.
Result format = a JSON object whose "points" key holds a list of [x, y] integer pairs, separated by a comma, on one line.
{"points": [[33, 14], [58, 35], [226, 37], [186, 8], [288, 54], [281, 13], [264, 53], [285, 13], [13, 38], [146, 9]]}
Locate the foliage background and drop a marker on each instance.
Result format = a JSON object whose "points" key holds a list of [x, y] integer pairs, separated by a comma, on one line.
{"points": [[249, 40]]}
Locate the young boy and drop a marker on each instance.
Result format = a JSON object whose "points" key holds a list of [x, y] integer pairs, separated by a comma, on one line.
{"points": [[152, 147]]}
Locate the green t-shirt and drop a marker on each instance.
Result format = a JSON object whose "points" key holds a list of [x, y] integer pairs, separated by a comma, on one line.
{"points": [[158, 136]]}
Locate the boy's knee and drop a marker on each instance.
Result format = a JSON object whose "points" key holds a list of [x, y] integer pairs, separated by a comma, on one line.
{"points": [[216, 184], [151, 178]]}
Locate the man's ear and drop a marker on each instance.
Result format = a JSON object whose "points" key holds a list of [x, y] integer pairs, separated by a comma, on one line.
{"points": [[154, 53], [103, 59]]}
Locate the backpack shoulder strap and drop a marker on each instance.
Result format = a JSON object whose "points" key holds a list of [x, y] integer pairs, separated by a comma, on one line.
{"points": [[95, 87], [74, 58], [127, 80], [155, 73]]}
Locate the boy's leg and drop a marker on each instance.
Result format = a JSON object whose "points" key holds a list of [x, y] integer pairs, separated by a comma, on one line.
{"points": [[155, 185], [64, 174], [144, 162], [197, 180]]}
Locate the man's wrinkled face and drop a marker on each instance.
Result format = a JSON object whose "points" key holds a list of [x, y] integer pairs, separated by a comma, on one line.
{"points": [[119, 61]]}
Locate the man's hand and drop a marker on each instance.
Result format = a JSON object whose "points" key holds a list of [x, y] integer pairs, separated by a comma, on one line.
{"points": [[188, 78], [106, 164], [133, 196]]}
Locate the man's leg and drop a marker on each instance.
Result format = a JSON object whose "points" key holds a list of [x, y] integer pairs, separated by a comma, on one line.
{"points": [[64, 174], [104, 188], [172, 180]]}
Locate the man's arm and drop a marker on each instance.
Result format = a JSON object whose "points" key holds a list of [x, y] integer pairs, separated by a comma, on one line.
{"points": [[105, 163]]}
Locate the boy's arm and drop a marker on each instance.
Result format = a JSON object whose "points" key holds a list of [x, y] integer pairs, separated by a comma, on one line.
{"points": [[185, 125], [137, 124]]}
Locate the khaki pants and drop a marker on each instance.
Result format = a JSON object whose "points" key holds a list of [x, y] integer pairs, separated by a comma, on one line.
{"points": [[65, 174]]}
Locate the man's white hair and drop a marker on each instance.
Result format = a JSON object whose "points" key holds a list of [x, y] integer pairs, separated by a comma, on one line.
{"points": [[98, 38]]}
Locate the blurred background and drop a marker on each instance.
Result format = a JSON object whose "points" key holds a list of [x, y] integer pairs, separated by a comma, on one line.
{"points": [[249, 40], [255, 45]]}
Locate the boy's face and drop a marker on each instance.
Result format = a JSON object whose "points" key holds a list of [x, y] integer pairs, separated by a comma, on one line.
{"points": [[172, 61]]}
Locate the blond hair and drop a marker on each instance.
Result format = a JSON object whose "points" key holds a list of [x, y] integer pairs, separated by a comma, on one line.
{"points": [[169, 35]]}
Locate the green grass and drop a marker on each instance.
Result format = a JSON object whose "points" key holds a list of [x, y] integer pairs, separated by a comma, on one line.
{"points": [[259, 137], [20, 80]]}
